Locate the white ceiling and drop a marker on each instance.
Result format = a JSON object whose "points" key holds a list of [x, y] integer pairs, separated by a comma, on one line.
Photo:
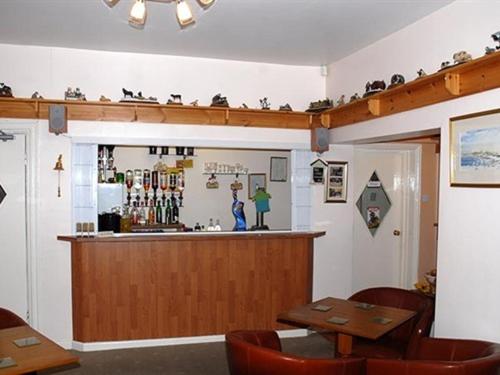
{"points": [[296, 32]]}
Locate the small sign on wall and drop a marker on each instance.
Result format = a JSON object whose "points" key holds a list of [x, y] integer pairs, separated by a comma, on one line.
{"points": [[318, 172]]}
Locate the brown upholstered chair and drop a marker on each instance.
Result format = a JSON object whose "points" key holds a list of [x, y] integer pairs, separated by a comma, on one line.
{"points": [[443, 357], [402, 341], [259, 353], [8, 319]]}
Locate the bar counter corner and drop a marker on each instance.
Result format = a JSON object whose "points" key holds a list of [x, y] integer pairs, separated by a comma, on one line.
{"points": [[149, 286]]}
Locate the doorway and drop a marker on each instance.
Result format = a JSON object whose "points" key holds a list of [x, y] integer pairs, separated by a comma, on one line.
{"points": [[386, 253], [14, 268]]}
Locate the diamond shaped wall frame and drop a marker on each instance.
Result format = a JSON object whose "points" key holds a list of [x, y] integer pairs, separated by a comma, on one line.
{"points": [[373, 203], [3, 194]]}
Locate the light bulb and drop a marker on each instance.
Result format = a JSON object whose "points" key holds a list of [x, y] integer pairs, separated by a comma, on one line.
{"points": [[138, 13], [111, 3], [184, 14], [206, 3]]}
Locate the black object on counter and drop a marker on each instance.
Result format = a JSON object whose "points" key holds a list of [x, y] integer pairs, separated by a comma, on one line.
{"points": [[108, 222]]}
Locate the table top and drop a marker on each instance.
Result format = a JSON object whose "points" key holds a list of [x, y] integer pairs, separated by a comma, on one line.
{"points": [[38, 357], [360, 320]]}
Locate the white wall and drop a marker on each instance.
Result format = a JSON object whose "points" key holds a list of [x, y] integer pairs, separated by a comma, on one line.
{"points": [[462, 25], [51, 70], [467, 303], [199, 203], [332, 255]]}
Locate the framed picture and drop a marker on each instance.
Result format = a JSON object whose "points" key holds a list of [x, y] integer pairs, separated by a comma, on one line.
{"points": [[278, 169], [336, 182], [475, 150], [255, 180]]}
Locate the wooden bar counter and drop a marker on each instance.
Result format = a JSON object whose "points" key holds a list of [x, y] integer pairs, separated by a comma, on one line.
{"points": [[148, 286]]}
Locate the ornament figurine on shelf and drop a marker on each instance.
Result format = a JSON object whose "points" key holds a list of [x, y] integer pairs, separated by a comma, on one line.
{"points": [[102, 98], [243, 106], [264, 104], [69, 94], [461, 57], [194, 103], [396, 80], [238, 213], [374, 88], [286, 108], [354, 98], [320, 105], [341, 100], [489, 50], [496, 38], [219, 101], [36, 95], [445, 65], [175, 99], [5, 91], [127, 94], [129, 97], [421, 73]]}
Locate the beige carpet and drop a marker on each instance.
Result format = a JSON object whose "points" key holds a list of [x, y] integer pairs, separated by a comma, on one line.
{"points": [[182, 359]]}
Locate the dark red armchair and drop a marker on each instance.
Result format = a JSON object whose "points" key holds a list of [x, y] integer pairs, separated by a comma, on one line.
{"points": [[403, 340], [443, 357], [259, 353], [8, 319]]}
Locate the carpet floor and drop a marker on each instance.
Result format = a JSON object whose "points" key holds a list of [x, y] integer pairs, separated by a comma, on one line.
{"points": [[209, 359]]}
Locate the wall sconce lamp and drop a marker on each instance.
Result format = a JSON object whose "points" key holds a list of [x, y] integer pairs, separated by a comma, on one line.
{"points": [[59, 167]]}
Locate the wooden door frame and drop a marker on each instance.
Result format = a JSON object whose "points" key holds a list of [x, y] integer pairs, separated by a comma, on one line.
{"points": [[410, 229]]}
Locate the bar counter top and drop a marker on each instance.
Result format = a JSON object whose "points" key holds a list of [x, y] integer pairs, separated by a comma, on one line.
{"points": [[190, 236]]}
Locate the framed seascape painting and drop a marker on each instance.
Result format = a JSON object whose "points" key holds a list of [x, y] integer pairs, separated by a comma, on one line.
{"points": [[336, 182], [475, 149]]}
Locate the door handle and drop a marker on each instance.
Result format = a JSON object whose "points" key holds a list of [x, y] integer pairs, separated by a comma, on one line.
{"points": [[396, 232]]}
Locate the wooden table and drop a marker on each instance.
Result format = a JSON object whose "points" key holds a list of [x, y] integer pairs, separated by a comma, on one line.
{"points": [[39, 357], [360, 320]]}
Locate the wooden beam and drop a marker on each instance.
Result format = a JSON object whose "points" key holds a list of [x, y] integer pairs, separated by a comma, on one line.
{"points": [[452, 83], [157, 113], [465, 79], [374, 106]]}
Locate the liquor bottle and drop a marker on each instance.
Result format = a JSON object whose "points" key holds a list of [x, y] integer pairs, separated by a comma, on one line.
{"points": [[175, 211], [158, 213], [151, 213], [135, 214], [168, 213], [142, 215], [197, 227]]}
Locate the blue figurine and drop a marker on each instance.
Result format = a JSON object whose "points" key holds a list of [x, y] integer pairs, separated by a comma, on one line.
{"points": [[238, 213]]}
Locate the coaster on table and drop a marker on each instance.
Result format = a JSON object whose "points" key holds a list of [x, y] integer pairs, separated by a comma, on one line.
{"points": [[322, 308], [27, 341], [365, 306], [381, 320], [7, 362], [337, 320]]}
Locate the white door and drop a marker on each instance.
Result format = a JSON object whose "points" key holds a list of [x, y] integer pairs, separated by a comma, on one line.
{"points": [[386, 257], [13, 227]]}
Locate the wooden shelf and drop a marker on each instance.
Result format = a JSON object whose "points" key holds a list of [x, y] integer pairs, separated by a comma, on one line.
{"points": [[156, 113], [465, 79]]}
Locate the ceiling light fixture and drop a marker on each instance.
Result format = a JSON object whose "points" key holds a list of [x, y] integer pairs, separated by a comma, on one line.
{"points": [[184, 14], [138, 13]]}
